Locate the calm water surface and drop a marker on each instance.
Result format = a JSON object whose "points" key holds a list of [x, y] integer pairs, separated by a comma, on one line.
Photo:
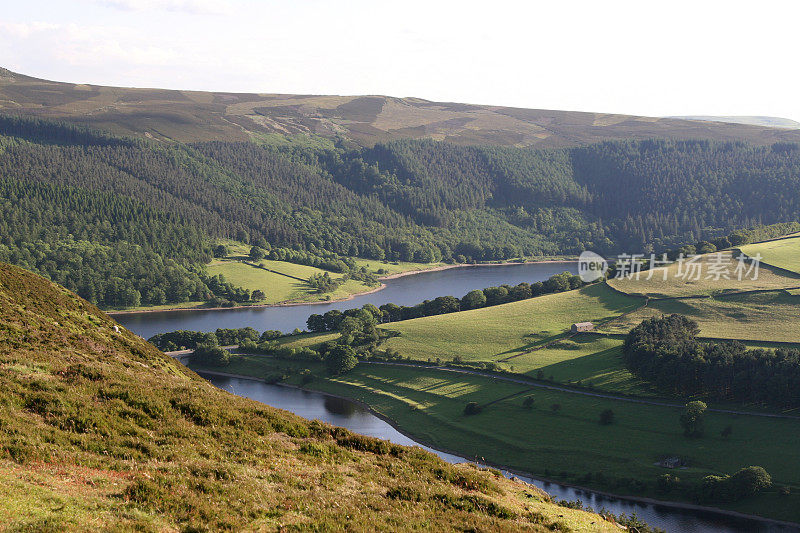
{"points": [[408, 290], [340, 412]]}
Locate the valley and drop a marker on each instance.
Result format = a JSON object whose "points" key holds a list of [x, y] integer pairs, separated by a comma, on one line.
{"points": [[424, 267], [367, 267], [572, 379]]}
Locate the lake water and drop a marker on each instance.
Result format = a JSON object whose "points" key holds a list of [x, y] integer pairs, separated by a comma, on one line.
{"points": [[408, 290], [341, 412]]}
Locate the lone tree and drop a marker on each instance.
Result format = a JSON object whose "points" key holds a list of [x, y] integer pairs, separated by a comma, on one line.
{"points": [[257, 295], [211, 355], [750, 480], [472, 408], [473, 300], [607, 417], [221, 251], [726, 433], [257, 254], [341, 359], [693, 419], [556, 407], [528, 402]]}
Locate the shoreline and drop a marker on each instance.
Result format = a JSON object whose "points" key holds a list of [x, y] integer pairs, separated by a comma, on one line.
{"points": [[483, 462], [292, 303]]}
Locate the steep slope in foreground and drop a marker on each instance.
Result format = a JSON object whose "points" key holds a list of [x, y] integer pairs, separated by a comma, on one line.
{"points": [[98, 430], [189, 116]]}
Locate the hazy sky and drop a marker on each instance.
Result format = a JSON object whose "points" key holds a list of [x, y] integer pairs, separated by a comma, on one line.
{"points": [[643, 57]]}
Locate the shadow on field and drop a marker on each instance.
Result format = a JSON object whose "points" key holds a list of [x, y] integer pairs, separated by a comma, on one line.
{"points": [[604, 369]]}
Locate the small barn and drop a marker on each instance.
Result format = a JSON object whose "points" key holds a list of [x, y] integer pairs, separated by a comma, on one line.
{"points": [[580, 327]]}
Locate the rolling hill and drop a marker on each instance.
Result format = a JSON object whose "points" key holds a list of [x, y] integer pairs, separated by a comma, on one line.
{"points": [[100, 431], [194, 116]]}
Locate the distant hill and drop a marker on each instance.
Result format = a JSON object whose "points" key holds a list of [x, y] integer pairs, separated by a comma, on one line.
{"points": [[102, 432], [770, 122], [191, 116]]}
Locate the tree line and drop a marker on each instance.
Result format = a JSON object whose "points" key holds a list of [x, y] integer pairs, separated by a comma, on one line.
{"points": [[331, 321], [666, 351]]}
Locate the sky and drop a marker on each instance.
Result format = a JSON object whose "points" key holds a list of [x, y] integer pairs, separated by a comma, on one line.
{"points": [[643, 57]]}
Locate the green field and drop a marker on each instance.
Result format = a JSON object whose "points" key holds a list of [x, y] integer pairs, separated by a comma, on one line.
{"points": [[506, 332], [282, 281], [720, 313], [568, 444], [771, 316], [163, 307], [306, 339], [784, 253], [586, 360], [682, 281], [389, 268]]}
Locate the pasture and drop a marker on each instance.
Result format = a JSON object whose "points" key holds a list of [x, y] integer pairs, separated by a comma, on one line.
{"points": [[281, 281], [708, 274], [306, 339], [769, 316], [783, 253], [389, 268], [509, 331]]}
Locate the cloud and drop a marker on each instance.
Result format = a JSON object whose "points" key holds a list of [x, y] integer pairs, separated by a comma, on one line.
{"points": [[195, 7], [86, 46], [25, 30]]}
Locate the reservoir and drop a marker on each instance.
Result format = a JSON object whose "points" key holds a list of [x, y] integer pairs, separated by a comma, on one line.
{"points": [[406, 290]]}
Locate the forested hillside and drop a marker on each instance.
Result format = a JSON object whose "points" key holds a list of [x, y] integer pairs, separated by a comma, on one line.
{"points": [[126, 222]]}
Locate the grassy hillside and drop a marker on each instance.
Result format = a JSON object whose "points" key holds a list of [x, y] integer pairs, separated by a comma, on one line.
{"points": [[567, 444], [191, 116], [771, 316], [699, 278], [281, 281], [782, 253], [510, 331], [760, 309], [100, 431]]}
